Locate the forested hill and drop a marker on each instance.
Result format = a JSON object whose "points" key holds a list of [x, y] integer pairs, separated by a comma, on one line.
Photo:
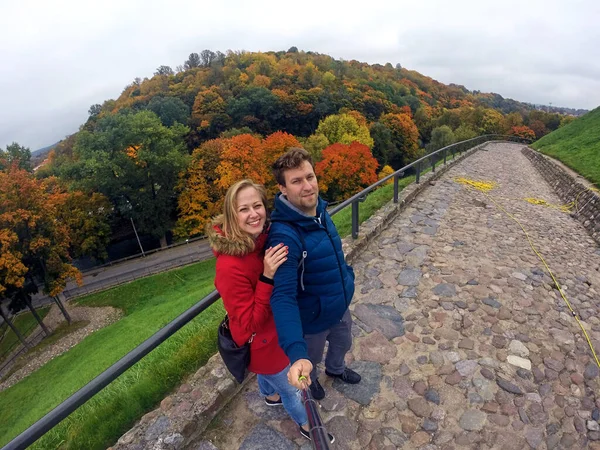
{"points": [[164, 152], [291, 91]]}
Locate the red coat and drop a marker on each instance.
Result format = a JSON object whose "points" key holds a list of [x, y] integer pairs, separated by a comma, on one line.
{"points": [[246, 300]]}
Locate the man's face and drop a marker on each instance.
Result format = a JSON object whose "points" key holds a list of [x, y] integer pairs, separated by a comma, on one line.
{"points": [[301, 188]]}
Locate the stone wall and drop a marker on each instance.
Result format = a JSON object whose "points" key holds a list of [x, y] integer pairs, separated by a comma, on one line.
{"points": [[586, 202], [184, 415]]}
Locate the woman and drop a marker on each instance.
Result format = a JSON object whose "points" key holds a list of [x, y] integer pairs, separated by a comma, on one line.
{"points": [[244, 278]]}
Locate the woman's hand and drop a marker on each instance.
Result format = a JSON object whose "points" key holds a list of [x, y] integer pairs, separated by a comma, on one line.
{"points": [[274, 257]]}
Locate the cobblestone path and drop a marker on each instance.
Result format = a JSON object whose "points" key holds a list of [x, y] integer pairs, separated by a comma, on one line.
{"points": [[461, 338]]}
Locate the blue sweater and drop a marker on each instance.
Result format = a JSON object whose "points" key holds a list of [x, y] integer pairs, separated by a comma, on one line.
{"points": [[311, 294]]}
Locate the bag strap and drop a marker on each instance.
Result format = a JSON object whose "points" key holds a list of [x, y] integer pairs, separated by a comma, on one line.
{"points": [[225, 324]]}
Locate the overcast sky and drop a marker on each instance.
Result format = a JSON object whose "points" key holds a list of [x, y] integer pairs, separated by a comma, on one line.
{"points": [[58, 57]]}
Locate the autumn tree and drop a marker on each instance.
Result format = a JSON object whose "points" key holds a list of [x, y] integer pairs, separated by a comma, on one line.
{"points": [[405, 137], [200, 195], [87, 217], [345, 170], [566, 120], [315, 144], [538, 127], [384, 172], [242, 157], [273, 146], [33, 238], [523, 132], [493, 122], [134, 160], [513, 119], [345, 129]]}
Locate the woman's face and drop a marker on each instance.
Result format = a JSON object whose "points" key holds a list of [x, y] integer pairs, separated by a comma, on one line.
{"points": [[250, 211]]}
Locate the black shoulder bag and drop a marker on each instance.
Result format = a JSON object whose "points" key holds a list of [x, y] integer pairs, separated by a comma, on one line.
{"points": [[236, 358]]}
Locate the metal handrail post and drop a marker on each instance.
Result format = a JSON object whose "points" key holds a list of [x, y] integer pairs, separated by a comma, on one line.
{"points": [[355, 219], [396, 190], [418, 180], [445, 155]]}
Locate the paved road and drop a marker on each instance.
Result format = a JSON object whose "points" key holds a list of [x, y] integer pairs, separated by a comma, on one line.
{"points": [[98, 279], [460, 336]]}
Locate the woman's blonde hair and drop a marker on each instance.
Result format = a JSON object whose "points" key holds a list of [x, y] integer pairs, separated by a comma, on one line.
{"points": [[231, 228]]}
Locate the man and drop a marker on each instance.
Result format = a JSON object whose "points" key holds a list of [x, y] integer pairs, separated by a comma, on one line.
{"points": [[314, 287]]}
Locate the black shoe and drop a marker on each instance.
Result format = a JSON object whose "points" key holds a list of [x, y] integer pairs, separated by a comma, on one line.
{"points": [[347, 376], [306, 434], [316, 390], [273, 402]]}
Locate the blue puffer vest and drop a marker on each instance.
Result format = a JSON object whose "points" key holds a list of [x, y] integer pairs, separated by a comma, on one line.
{"points": [[314, 287]]}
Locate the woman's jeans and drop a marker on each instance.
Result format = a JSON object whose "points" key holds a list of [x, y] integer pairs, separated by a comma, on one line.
{"points": [[290, 396]]}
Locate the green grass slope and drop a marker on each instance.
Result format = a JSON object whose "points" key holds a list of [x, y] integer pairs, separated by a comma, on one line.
{"points": [[577, 145], [148, 304]]}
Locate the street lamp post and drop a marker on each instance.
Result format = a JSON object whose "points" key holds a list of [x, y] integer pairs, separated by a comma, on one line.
{"points": [[137, 237], [130, 207]]}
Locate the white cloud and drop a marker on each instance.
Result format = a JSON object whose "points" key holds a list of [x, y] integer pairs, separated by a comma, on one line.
{"points": [[60, 57]]}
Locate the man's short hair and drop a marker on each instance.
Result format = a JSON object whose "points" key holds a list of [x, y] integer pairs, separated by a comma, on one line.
{"points": [[292, 159]]}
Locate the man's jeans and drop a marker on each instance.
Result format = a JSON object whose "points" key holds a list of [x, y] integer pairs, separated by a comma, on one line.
{"points": [[290, 396], [340, 341]]}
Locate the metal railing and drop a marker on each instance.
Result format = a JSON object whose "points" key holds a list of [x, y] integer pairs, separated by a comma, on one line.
{"points": [[420, 165], [42, 426]]}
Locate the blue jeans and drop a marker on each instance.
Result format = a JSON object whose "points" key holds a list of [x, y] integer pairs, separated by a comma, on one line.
{"points": [[290, 396]]}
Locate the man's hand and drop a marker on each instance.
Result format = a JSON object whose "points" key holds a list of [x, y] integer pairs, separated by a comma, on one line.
{"points": [[300, 368]]}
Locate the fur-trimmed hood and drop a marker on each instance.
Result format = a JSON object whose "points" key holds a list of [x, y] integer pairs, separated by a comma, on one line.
{"points": [[222, 245]]}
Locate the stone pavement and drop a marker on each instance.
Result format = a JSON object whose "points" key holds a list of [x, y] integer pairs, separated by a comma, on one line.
{"points": [[461, 338]]}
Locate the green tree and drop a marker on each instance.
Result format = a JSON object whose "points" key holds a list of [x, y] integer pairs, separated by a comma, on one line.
{"points": [[164, 70], [464, 132], [383, 146], [344, 129], [257, 108], [134, 160], [170, 110], [192, 62], [440, 137], [15, 154], [315, 144]]}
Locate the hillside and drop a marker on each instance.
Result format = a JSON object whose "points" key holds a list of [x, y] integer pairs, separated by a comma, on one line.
{"points": [[577, 145], [165, 151]]}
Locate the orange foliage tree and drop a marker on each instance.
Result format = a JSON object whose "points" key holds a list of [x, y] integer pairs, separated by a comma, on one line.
{"points": [[31, 235], [405, 137], [523, 132], [242, 157], [345, 170], [274, 146], [538, 127], [200, 196]]}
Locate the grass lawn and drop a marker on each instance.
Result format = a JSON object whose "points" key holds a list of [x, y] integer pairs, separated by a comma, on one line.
{"points": [[148, 304], [577, 145], [25, 323]]}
